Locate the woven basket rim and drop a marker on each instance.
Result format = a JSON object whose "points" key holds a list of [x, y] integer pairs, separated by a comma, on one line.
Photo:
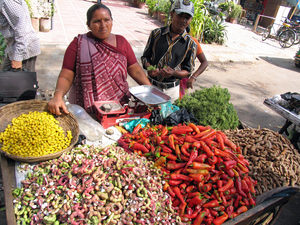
{"points": [[41, 107]]}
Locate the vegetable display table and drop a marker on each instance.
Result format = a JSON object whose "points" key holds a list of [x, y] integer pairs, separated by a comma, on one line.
{"points": [[291, 118], [266, 205]]}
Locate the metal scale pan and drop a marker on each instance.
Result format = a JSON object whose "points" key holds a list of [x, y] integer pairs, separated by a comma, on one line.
{"points": [[149, 95]]}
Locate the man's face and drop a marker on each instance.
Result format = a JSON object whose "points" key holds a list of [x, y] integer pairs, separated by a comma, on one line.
{"points": [[180, 21]]}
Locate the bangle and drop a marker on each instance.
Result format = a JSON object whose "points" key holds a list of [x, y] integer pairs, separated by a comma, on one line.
{"points": [[193, 77], [60, 91]]}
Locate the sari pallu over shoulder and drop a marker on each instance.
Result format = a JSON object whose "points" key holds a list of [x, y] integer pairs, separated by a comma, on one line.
{"points": [[101, 74]]}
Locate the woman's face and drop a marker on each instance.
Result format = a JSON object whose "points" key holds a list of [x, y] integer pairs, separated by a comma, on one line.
{"points": [[180, 21], [101, 24]]}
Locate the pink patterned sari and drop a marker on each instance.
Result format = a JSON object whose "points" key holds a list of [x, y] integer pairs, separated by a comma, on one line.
{"points": [[101, 74]]}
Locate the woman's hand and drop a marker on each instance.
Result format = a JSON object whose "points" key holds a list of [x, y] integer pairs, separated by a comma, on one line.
{"points": [[55, 104], [167, 72], [189, 83]]}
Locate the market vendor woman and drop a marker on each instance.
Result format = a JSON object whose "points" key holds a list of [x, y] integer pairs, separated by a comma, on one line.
{"points": [[95, 66]]}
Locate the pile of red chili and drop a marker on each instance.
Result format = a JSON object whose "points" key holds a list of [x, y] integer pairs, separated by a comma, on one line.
{"points": [[205, 173]]}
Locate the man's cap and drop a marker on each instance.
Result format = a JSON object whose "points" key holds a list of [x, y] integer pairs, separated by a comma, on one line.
{"points": [[183, 6]]}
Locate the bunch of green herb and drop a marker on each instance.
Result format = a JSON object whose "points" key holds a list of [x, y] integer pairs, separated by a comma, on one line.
{"points": [[149, 68], [211, 107]]}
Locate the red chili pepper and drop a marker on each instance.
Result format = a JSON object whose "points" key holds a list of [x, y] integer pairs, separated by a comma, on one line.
{"points": [[230, 173], [199, 218], [184, 148], [241, 209], [230, 144], [203, 172], [227, 186], [246, 201], [140, 147], [245, 187], [236, 174], [174, 166], [201, 158], [175, 182], [250, 185], [209, 134], [237, 200], [251, 200], [195, 201], [224, 203], [193, 194], [229, 210], [205, 148], [243, 168], [191, 188], [216, 194], [213, 212], [189, 139], [233, 190], [220, 141], [183, 186], [178, 194], [137, 128], [224, 177], [194, 154], [196, 177], [200, 166], [169, 156], [221, 219], [221, 153], [189, 211], [170, 191], [171, 141], [212, 160], [219, 208], [164, 132], [219, 183], [181, 208], [211, 204], [207, 187], [238, 186], [160, 161], [230, 164], [180, 177], [195, 128], [216, 177], [165, 149], [176, 202], [202, 133], [177, 151], [181, 130]]}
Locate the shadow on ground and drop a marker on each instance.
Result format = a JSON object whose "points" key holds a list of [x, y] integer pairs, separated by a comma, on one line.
{"points": [[283, 63]]}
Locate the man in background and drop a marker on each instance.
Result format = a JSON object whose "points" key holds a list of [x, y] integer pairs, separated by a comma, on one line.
{"points": [[22, 42]]}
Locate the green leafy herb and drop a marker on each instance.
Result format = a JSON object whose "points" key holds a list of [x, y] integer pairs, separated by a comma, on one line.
{"points": [[149, 68], [211, 107]]}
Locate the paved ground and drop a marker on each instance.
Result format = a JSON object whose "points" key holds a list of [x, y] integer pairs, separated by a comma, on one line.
{"points": [[232, 65]]}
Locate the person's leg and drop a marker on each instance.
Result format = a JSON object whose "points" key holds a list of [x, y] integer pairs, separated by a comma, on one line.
{"points": [[6, 64], [29, 64]]}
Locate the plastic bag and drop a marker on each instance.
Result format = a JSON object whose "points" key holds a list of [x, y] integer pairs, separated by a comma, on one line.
{"points": [[132, 124], [87, 125], [155, 117], [167, 109], [180, 116]]}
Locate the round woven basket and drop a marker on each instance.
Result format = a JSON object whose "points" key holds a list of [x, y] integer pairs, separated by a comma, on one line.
{"points": [[13, 110]]}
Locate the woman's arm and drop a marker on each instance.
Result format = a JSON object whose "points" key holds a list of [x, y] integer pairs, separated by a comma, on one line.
{"points": [[64, 82], [203, 64], [138, 74]]}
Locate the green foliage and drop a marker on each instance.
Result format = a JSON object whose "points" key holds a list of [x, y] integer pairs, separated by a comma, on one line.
{"points": [[2, 47], [236, 11], [163, 6], [214, 31], [200, 15], [151, 4], [211, 107], [28, 2]]}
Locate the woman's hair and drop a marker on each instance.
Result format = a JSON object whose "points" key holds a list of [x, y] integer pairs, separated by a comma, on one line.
{"points": [[92, 9]]}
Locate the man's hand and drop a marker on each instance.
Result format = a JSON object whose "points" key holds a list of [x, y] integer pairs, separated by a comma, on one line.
{"points": [[16, 64], [153, 73], [167, 72]]}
